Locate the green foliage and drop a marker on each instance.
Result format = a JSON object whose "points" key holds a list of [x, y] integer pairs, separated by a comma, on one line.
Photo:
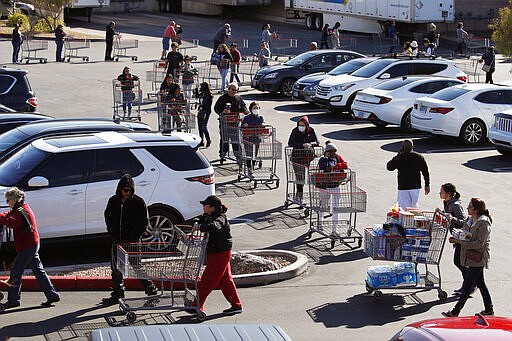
{"points": [[18, 18], [43, 26], [52, 7], [502, 30]]}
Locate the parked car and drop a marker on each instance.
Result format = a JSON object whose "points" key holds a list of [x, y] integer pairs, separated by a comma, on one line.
{"points": [[68, 180], [15, 90], [305, 87], [280, 78], [19, 137], [338, 93], [464, 111], [391, 102], [6, 109], [8, 7], [467, 328], [10, 121], [500, 133]]}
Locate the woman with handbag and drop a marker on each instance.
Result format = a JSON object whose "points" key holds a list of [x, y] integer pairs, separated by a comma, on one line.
{"points": [[475, 254], [489, 60]]}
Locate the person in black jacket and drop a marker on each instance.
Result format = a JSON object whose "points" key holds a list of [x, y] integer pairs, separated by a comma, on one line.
{"points": [[302, 139], [410, 166], [59, 41], [16, 40], [109, 40], [126, 217], [217, 273], [205, 97], [489, 60]]}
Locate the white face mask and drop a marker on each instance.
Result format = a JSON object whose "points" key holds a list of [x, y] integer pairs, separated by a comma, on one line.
{"points": [[256, 112], [302, 129]]}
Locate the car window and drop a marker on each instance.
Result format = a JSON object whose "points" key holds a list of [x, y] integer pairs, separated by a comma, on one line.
{"points": [[373, 68], [398, 70], [11, 138], [394, 84], [64, 169], [111, 164], [15, 168], [430, 87], [495, 97], [450, 93], [179, 158], [6, 83], [322, 61], [300, 59], [427, 68]]}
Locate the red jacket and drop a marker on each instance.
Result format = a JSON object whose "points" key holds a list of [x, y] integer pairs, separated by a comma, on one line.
{"points": [[13, 219], [236, 57]]}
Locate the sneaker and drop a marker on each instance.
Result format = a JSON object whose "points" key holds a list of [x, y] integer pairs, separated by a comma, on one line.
{"points": [[110, 300], [233, 311], [8, 305], [50, 302], [208, 143], [449, 313], [487, 312]]}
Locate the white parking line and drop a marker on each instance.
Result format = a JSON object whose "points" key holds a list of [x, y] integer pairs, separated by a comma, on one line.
{"points": [[396, 136], [461, 149]]}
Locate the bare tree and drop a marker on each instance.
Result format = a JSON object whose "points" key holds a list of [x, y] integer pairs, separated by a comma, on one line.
{"points": [[50, 8]]}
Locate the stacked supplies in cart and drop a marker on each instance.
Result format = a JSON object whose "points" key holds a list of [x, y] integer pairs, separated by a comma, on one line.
{"points": [[403, 273]]}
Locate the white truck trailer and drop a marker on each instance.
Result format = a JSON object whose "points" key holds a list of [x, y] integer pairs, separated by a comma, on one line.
{"points": [[84, 7], [369, 16]]}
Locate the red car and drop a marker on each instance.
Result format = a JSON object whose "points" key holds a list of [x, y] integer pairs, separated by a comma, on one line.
{"points": [[467, 328]]}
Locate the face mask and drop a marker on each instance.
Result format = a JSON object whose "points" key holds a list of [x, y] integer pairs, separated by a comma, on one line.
{"points": [[302, 129], [256, 112]]}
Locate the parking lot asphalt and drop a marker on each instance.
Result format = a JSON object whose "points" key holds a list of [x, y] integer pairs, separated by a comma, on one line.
{"points": [[329, 301]]}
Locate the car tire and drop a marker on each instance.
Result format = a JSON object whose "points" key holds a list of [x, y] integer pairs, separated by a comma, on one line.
{"points": [[473, 132], [286, 87], [162, 222], [405, 123], [504, 151], [350, 101], [319, 22], [309, 21]]}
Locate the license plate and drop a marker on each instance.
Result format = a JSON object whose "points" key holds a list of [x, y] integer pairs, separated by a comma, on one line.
{"points": [[360, 114], [295, 93], [423, 109]]}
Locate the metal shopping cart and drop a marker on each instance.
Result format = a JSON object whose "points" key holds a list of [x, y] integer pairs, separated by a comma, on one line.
{"points": [[259, 145], [297, 162], [156, 76], [30, 47], [176, 266], [333, 194], [122, 45], [127, 99], [173, 116], [5, 236], [229, 126], [73, 46], [419, 246]]}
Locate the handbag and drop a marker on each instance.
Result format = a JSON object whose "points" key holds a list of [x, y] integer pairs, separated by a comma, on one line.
{"points": [[474, 255], [486, 68]]}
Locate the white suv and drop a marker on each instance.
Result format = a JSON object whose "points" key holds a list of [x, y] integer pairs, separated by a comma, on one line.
{"points": [[68, 180], [337, 93], [501, 132]]}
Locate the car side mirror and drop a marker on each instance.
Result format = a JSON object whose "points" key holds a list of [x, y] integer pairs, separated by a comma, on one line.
{"points": [[385, 76], [38, 182], [308, 67]]}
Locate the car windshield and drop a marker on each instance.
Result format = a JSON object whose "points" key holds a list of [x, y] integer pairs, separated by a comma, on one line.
{"points": [[348, 67], [449, 94], [15, 168], [10, 139], [394, 84], [300, 59], [373, 68]]}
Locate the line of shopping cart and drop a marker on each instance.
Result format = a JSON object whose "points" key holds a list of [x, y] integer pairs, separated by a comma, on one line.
{"points": [[121, 46], [72, 46], [127, 100], [156, 76], [408, 243], [176, 265], [175, 115], [30, 47]]}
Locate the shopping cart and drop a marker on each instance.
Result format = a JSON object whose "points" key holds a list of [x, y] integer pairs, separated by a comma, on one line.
{"points": [[419, 246], [122, 45], [333, 194], [176, 267], [29, 49], [229, 126], [73, 46], [173, 116], [127, 99], [5, 236], [297, 162], [156, 76], [259, 145]]}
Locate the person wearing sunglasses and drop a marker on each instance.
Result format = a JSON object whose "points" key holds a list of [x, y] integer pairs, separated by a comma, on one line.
{"points": [[126, 217]]}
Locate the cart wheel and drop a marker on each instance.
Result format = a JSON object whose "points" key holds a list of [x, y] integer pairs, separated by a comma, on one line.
{"points": [[27, 61], [131, 316], [442, 295], [139, 118], [1, 296], [201, 316], [277, 184], [2, 308], [285, 205], [116, 59], [135, 58], [349, 232], [332, 243], [309, 234], [377, 295], [359, 243], [306, 213], [369, 288], [260, 164], [238, 178]]}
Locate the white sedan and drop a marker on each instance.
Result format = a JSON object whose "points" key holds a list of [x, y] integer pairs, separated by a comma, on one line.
{"points": [[391, 102], [464, 111]]}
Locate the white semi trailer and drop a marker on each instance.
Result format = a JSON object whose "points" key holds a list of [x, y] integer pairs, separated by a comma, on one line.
{"points": [[84, 7], [369, 16]]}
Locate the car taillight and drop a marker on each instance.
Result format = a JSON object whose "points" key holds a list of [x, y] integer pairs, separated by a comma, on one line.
{"points": [[463, 78], [383, 100], [205, 179], [32, 101], [442, 111]]}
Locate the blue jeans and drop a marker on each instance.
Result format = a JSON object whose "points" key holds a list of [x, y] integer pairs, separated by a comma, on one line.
{"points": [[15, 51], [128, 98], [58, 54], [224, 73], [24, 258]]}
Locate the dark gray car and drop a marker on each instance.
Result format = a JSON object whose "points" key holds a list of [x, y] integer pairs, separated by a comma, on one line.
{"points": [[280, 78]]}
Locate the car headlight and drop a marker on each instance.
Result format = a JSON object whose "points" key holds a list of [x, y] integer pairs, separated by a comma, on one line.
{"points": [[343, 87], [271, 75]]}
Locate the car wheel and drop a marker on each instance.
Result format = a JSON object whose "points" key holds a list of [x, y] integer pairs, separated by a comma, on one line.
{"points": [[318, 22], [473, 132], [405, 124], [349, 104], [161, 227], [286, 87], [309, 21], [504, 151]]}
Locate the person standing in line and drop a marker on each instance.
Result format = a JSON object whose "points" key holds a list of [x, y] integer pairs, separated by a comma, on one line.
{"points": [[26, 240], [109, 40], [252, 138], [128, 82], [462, 37], [410, 165], [174, 61], [264, 55], [189, 72], [335, 36], [475, 254], [393, 33], [224, 65], [489, 60], [60, 35], [221, 36], [126, 217], [430, 48], [235, 63], [169, 33], [204, 110], [217, 273], [415, 51], [16, 40], [266, 35], [325, 37]]}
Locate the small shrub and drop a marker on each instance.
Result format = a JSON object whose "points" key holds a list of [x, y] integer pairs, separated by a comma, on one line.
{"points": [[42, 25], [18, 18]]}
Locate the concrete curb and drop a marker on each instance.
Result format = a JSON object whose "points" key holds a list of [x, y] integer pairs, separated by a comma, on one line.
{"points": [[82, 283]]}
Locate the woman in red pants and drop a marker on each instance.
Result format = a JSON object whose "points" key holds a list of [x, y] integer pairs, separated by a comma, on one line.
{"points": [[217, 273]]}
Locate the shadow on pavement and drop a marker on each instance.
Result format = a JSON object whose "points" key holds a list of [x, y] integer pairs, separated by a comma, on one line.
{"points": [[367, 133], [275, 219], [438, 144], [496, 164], [348, 256]]}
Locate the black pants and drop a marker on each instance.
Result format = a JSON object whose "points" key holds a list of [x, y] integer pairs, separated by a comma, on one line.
{"points": [[202, 122], [488, 76], [117, 276], [474, 275], [108, 50], [456, 260], [324, 43]]}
